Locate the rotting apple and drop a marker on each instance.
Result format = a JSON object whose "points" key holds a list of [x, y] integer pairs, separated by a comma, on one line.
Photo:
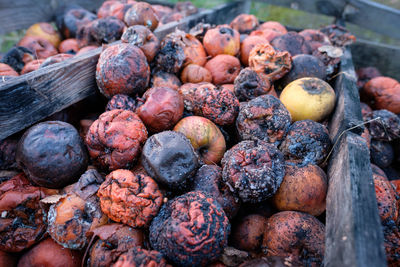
{"points": [[308, 98], [69, 46], [46, 31], [303, 188], [6, 70], [248, 44], [273, 25], [163, 107], [205, 136], [222, 40], [39, 46]]}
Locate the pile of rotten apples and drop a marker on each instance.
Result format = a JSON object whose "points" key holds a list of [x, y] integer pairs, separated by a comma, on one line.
{"points": [[80, 30], [381, 111], [194, 162]]}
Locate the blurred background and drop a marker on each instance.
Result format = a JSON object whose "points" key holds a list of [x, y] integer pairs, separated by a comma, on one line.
{"points": [[287, 16]]}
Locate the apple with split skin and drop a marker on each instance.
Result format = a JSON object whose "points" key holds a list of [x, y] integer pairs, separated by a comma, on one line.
{"points": [[205, 136]]}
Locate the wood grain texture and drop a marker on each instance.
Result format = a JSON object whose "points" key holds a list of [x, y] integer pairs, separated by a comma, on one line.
{"points": [[20, 14], [353, 229], [354, 234], [364, 13], [347, 112], [29, 98], [373, 16], [384, 57], [15, 15]]}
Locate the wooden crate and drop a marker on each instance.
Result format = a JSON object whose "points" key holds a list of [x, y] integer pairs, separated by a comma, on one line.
{"points": [[385, 57], [354, 234], [34, 96], [353, 230], [365, 14]]}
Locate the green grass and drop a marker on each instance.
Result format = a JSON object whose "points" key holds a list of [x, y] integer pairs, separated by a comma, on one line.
{"points": [[203, 3], [9, 40], [300, 19], [289, 17]]}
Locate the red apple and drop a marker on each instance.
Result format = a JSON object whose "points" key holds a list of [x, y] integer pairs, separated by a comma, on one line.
{"points": [[50, 253], [205, 136], [303, 188], [222, 40], [162, 109], [7, 259]]}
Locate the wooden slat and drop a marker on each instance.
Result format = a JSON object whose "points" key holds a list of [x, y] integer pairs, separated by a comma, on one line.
{"points": [[20, 14], [374, 16], [353, 230], [384, 57], [364, 13], [347, 112], [354, 235], [29, 98], [15, 15]]}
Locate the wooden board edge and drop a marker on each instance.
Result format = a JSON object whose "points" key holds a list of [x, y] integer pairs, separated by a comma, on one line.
{"points": [[354, 234], [27, 100], [384, 57], [20, 14], [347, 113], [17, 113], [364, 13], [373, 16]]}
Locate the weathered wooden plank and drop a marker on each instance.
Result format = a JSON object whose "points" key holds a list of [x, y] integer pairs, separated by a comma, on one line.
{"points": [[91, 5], [20, 14], [347, 112], [384, 57], [29, 98], [353, 229], [36, 95], [374, 16], [367, 14], [15, 15]]}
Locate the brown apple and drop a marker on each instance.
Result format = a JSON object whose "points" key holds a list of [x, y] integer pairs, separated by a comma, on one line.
{"points": [[303, 189], [248, 44], [49, 253], [222, 40], [205, 136], [163, 107], [273, 25], [193, 73], [69, 46], [267, 34]]}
